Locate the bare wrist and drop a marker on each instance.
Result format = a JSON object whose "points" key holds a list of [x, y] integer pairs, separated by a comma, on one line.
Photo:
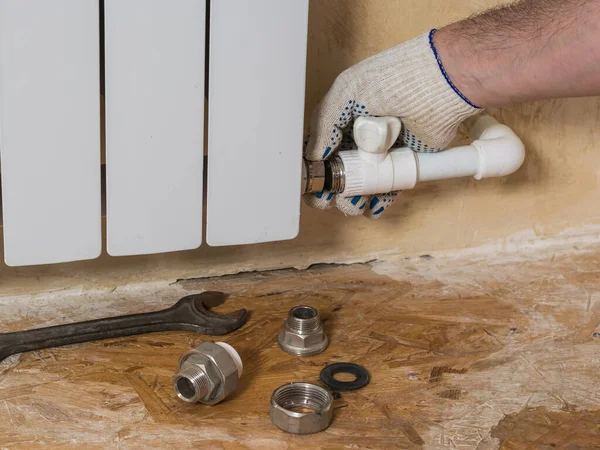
{"points": [[524, 51], [460, 65]]}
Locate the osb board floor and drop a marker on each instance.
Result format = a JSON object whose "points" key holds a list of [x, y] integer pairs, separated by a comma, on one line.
{"points": [[472, 354]]}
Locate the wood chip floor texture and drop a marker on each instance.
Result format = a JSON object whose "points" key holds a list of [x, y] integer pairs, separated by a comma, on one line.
{"points": [[462, 355]]}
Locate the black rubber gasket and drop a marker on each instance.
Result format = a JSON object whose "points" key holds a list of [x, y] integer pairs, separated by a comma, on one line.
{"points": [[361, 374]]}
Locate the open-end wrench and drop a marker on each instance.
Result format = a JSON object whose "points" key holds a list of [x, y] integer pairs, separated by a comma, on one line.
{"points": [[191, 313]]}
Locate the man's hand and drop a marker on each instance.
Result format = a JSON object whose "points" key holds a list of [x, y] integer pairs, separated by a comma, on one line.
{"points": [[408, 82], [528, 50]]}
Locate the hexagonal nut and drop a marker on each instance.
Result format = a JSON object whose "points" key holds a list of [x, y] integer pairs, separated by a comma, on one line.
{"points": [[303, 340], [197, 359], [222, 371], [294, 395], [219, 368], [302, 344]]}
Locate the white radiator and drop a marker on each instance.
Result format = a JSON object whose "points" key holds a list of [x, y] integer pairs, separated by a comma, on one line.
{"points": [[154, 78]]}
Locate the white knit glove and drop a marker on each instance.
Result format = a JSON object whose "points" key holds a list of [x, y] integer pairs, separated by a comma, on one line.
{"points": [[407, 81]]}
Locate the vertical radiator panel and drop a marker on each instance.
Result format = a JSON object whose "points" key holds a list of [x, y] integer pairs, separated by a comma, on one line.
{"points": [[256, 111], [154, 124], [50, 130]]}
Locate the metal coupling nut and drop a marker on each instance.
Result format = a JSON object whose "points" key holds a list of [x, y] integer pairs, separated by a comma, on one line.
{"points": [[313, 177], [301, 408], [208, 373], [303, 333]]}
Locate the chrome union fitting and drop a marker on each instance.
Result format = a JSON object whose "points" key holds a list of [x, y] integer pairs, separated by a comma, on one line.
{"points": [[303, 333], [301, 408], [208, 373]]}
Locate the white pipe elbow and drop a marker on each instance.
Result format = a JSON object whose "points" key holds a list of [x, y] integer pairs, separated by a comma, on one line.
{"points": [[500, 150]]}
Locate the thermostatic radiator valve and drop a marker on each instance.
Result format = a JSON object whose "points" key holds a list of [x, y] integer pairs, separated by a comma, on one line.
{"points": [[375, 169]]}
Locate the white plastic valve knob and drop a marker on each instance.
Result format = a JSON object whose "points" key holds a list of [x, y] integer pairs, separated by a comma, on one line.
{"points": [[371, 169], [375, 136]]}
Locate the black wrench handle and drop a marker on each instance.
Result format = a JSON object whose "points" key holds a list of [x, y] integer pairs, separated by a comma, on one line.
{"points": [[188, 314]]}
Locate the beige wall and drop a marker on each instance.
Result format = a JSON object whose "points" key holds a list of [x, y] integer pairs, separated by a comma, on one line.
{"points": [[556, 189]]}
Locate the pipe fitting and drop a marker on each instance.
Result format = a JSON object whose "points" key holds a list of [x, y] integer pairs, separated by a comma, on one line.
{"points": [[303, 333], [313, 177], [501, 152], [301, 408], [208, 373], [371, 169]]}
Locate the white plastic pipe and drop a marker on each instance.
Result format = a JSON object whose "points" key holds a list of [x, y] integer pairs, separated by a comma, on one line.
{"points": [[234, 355], [496, 152]]}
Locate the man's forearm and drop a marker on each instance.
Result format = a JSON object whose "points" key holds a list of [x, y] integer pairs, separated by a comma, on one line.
{"points": [[530, 50]]}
